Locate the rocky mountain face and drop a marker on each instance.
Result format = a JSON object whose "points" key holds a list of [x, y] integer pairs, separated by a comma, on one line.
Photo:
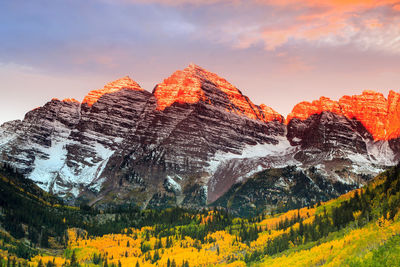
{"points": [[379, 116], [197, 137], [361, 128], [280, 189], [190, 117]]}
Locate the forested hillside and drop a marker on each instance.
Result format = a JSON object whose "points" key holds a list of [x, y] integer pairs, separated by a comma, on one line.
{"points": [[360, 228]]}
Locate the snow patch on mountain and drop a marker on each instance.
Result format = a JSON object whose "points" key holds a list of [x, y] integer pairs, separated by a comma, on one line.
{"points": [[172, 185], [51, 167], [362, 164], [89, 174], [48, 165], [281, 149], [380, 152], [6, 138]]}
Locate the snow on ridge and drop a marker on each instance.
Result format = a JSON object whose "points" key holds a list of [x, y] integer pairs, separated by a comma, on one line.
{"points": [[6, 138], [252, 151], [89, 175], [175, 186], [381, 152], [363, 164], [259, 168], [96, 185], [7, 135], [48, 169]]}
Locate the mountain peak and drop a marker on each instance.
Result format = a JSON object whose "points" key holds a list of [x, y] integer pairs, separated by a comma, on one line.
{"points": [[378, 114], [193, 66], [196, 69], [269, 114], [305, 109], [183, 86], [111, 87], [188, 86], [70, 100]]}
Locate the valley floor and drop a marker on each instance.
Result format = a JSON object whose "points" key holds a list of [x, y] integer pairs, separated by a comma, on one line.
{"points": [[377, 244], [360, 228]]}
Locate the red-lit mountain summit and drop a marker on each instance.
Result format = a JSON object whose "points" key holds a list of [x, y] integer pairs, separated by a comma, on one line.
{"points": [[196, 136], [187, 87], [112, 87], [380, 116]]}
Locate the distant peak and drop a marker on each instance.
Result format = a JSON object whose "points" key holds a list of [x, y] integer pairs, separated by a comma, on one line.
{"points": [[186, 86], [111, 87], [377, 113], [124, 82], [192, 66], [193, 69], [305, 109], [183, 86]]}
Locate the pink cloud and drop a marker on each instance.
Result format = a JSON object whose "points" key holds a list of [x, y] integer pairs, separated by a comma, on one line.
{"points": [[339, 4], [396, 7], [333, 22], [336, 4], [274, 38], [364, 23]]}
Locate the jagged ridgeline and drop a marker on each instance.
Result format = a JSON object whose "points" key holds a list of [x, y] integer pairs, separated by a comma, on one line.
{"points": [[195, 136], [360, 228]]}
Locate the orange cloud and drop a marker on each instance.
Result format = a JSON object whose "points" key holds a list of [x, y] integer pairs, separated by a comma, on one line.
{"points": [[396, 7], [341, 4], [276, 37], [373, 23], [332, 21]]}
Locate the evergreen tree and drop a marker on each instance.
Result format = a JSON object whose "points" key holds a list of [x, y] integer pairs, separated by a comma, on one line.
{"points": [[74, 262], [156, 256], [44, 239]]}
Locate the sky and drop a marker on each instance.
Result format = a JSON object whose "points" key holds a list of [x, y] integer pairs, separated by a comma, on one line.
{"points": [[277, 52]]}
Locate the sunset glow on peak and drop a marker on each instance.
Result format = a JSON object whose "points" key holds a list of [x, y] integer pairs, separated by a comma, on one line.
{"points": [[123, 83], [182, 87], [70, 100], [195, 84], [379, 115]]}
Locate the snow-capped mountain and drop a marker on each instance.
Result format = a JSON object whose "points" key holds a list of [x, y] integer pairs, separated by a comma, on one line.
{"points": [[192, 138]]}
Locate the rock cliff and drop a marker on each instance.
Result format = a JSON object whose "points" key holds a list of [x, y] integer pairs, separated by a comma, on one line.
{"points": [[193, 138]]}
